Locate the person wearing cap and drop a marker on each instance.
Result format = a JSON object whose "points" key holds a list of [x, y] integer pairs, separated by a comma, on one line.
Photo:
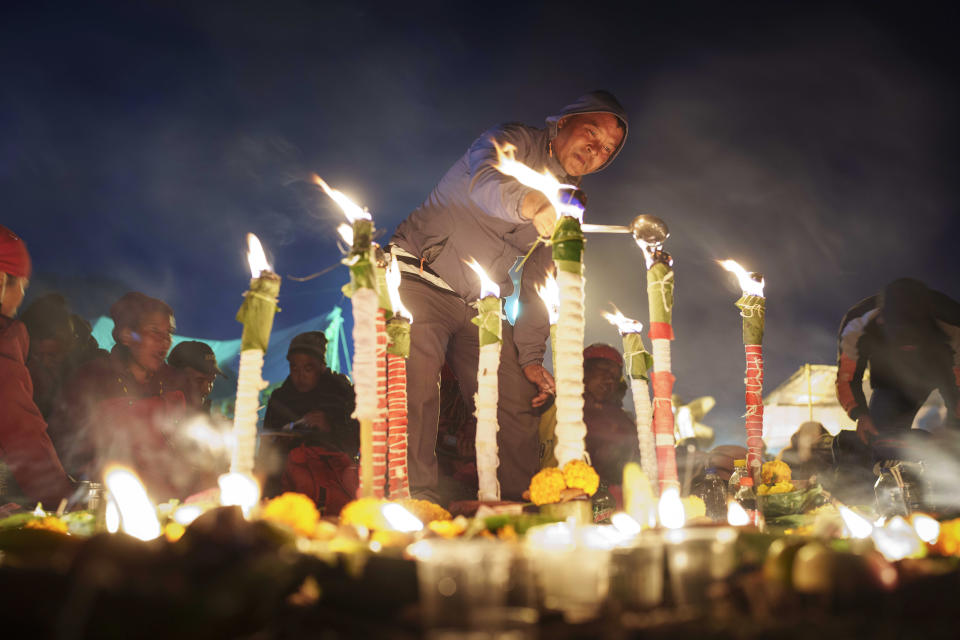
{"points": [[197, 365], [611, 433], [909, 336], [477, 213], [25, 447]]}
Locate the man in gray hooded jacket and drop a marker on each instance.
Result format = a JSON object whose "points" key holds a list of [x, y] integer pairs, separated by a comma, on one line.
{"points": [[476, 212]]}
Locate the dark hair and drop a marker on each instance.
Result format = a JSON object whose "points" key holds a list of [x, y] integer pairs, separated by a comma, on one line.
{"points": [[49, 317], [128, 312]]}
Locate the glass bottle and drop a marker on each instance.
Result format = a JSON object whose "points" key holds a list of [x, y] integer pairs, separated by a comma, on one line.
{"points": [[714, 496], [748, 499], [604, 504]]}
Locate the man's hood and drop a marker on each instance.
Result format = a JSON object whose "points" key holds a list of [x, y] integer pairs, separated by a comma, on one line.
{"points": [[594, 102]]}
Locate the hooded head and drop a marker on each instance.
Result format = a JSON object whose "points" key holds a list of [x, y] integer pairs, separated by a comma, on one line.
{"points": [[14, 271], [583, 135]]}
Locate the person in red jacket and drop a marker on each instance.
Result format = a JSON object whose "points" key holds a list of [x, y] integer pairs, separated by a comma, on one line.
{"points": [[25, 447]]}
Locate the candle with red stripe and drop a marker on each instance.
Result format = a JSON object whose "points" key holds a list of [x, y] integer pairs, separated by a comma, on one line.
{"points": [[752, 307], [650, 232], [398, 349]]}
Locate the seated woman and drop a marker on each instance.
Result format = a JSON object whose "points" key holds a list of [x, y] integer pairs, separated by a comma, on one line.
{"points": [[126, 407], [25, 447], [309, 414]]}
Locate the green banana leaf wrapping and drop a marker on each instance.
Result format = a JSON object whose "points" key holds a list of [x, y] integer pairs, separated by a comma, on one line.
{"points": [[635, 355], [488, 319], [774, 505], [567, 242], [398, 336], [361, 259], [753, 312], [257, 311], [383, 293], [660, 292]]}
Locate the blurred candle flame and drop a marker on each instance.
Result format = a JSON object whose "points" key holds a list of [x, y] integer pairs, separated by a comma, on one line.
{"points": [[622, 322], [625, 524], [549, 292], [256, 258], [186, 514], [748, 285], [670, 509], [350, 209], [393, 288], [858, 526], [346, 232], [400, 519], [737, 516], [239, 489], [544, 182], [926, 527], [112, 515], [138, 515], [487, 286], [897, 540]]}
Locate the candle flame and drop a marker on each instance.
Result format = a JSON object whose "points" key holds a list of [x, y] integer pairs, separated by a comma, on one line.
{"points": [[187, 514], [39, 512], [400, 519], [897, 540], [622, 322], [346, 232], [239, 489], [737, 516], [111, 516], [858, 526], [544, 182], [138, 516], [749, 285], [670, 509], [487, 286], [926, 527], [549, 292], [393, 288], [350, 209], [256, 258], [625, 524]]}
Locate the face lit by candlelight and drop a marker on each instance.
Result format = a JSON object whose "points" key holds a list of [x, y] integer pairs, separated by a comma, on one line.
{"points": [[305, 371], [151, 341], [586, 141], [600, 380], [14, 288]]}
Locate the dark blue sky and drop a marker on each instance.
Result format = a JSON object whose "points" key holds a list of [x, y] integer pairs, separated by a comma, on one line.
{"points": [[141, 141]]}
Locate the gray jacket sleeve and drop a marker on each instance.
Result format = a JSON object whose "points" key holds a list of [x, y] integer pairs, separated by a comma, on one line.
{"points": [[497, 194], [532, 329]]}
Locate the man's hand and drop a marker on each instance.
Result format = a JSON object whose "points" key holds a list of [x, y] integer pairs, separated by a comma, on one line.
{"points": [[316, 419], [866, 429], [546, 387], [537, 208]]}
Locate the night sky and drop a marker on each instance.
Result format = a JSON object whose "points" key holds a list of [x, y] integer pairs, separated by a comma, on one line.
{"points": [[142, 141]]}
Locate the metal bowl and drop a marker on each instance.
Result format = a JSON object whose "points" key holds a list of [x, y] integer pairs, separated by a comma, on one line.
{"points": [[649, 230]]}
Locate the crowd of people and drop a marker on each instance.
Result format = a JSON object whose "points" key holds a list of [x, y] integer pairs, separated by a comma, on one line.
{"points": [[69, 407]]}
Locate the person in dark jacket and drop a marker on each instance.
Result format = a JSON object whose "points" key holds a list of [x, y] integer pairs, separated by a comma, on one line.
{"points": [[313, 406], [25, 447], [197, 365], [476, 212], [909, 336], [50, 325]]}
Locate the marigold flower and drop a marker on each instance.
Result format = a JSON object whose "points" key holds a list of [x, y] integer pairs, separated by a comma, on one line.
{"points": [[294, 510], [48, 523], [775, 471], [364, 512], [545, 487], [948, 543], [579, 475], [448, 528], [424, 510]]}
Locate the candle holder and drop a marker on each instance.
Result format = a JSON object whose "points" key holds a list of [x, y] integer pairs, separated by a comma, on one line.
{"points": [[698, 559], [636, 580]]}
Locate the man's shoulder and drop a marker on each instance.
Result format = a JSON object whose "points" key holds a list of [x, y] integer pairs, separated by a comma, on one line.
{"points": [[336, 378]]}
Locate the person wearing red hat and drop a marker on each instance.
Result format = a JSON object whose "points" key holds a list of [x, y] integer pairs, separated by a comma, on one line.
{"points": [[25, 447]]}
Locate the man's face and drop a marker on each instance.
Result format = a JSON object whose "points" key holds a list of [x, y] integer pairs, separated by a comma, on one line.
{"points": [[13, 292], [50, 353], [199, 385], [586, 141], [304, 372], [151, 341], [600, 379]]}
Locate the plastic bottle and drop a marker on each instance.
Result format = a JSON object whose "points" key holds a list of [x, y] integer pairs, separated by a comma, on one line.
{"points": [[748, 499], [714, 496], [739, 470]]}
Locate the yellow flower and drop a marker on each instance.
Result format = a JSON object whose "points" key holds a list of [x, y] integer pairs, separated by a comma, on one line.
{"points": [[775, 471], [693, 507], [448, 528], [391, 538], [48, 523], [364, 512], [294, 510], [579, 475], [424, 510], [948, 543], [173, 531], [545, 487]]}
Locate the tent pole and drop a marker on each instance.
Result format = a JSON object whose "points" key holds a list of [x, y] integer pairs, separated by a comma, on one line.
{"points": [[806, 369]]}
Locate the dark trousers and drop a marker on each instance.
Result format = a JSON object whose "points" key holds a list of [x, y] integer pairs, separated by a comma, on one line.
{"points": [[442, 331]]}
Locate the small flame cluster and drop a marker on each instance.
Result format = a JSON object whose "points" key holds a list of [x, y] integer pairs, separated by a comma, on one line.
{"points": [[750, 283], [545, 183], [623, 324]]}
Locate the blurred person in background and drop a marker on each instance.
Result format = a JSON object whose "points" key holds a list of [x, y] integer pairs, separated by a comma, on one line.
{"points": [[126, 408], [197, 365], [50, 325], [29, 465], [309, 438]]}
